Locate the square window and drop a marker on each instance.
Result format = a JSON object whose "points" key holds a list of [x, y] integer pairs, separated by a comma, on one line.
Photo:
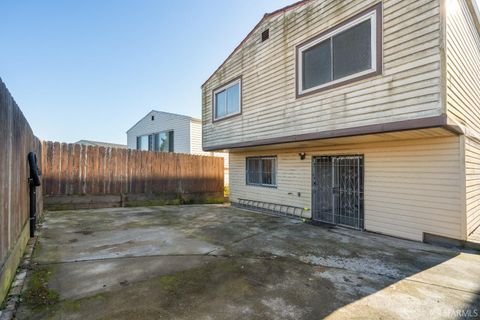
{"points": [[227, 100]]}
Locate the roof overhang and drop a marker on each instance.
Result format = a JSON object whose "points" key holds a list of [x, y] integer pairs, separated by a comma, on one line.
{"points": [[441, 121]]}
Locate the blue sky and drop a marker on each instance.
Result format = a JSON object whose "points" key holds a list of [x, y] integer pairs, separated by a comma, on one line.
{"points": [[90, 69]]}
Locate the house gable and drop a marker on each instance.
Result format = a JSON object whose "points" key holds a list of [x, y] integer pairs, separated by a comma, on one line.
{"points": [[163, 121], [409, 86]]}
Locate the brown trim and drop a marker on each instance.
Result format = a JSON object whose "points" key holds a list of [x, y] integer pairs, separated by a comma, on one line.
{"points": [[265, 17], [241, 99], [379, 51], [414, 124]]}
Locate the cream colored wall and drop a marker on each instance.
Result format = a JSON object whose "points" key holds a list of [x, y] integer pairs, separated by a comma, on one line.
{"points": [[409, 87], [196, 148], [411, 186], [472, 184], [463, 66], [463, 95]]}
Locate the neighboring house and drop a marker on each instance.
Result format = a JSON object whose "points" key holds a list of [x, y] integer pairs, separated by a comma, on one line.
{"points": [[101, 144], [367, 113], [169, 132]]}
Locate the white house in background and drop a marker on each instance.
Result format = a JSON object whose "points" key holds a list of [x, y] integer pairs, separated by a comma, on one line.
{"points": [[169, 132], [166, 132]]}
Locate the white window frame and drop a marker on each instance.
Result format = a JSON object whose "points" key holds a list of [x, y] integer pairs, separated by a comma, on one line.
{"points": [[225, 87], [372, 16], [141, 136]]}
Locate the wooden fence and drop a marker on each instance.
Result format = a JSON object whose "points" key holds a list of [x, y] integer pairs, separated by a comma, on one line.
{"points": [[71, 170], [16, 141]]}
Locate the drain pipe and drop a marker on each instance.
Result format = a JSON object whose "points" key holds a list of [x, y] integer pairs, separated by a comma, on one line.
{"points": [[33, 183]]}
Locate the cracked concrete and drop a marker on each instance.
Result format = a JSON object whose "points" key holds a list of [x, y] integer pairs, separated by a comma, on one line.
{"points": [[217, 262]]}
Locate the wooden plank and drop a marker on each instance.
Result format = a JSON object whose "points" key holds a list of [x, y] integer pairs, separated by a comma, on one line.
{"points": [[16, 141], [90, 170]]}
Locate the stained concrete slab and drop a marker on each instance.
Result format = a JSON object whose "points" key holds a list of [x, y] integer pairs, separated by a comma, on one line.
{"points": [[217, 262]]}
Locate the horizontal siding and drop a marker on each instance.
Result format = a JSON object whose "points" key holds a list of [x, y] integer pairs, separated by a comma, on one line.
{"points": [[196, 138], [411, 186], [463, 66], [196, 148], [408, 88], [472, 170], [463, 97]]}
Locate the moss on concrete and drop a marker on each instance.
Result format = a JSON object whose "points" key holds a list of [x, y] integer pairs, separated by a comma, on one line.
{"points": [[38, 295], [177, 201], [214, 201]]}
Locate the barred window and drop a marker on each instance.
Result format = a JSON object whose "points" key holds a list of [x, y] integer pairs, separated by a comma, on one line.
{"points": [[261, 171]]}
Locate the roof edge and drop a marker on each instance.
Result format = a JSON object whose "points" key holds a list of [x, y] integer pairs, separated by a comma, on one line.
{"points": [[440, 121], [265, 16], [170, 113]]}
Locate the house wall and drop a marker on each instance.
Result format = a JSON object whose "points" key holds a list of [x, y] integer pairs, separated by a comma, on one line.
{"points": [[196, 138], [411, 186], [196, 148], [472, 184], [163, 121], [463, 95], [408, 88]]}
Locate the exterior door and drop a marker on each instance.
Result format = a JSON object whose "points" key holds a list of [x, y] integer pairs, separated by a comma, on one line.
{"points": [[337, 195]]}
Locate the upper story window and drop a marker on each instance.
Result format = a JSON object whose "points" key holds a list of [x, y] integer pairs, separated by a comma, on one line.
{"points": [[227, 100], [160, 142], [348, 52], [261, 171]]}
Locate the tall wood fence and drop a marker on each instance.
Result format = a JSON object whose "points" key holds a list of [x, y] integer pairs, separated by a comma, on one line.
{"points": [[79, 170], [16, 141]]}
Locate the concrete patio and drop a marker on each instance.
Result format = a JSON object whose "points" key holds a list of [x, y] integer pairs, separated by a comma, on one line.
{"points": [[217, 262]]}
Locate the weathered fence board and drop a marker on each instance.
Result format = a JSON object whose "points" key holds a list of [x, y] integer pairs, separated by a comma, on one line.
{"points": [[16, 141], [78, 170]]}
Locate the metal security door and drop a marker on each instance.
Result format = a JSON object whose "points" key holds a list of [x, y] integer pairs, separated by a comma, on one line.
{"points": [[337, 196]]}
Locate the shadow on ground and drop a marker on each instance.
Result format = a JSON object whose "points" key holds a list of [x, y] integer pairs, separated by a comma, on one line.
{"points": [[216, 262]]}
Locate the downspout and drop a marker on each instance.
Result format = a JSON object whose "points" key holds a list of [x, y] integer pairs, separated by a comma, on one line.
{"points": [[33, 183]]}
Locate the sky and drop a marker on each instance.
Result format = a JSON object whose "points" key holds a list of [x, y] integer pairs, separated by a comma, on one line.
{"points": [[91, 69]]}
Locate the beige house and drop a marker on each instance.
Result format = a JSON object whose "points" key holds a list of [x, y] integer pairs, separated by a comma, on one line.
{"points": [[359, 113]]}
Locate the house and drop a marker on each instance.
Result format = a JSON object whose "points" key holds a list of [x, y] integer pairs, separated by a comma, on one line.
{"points": [[169, 132], [363, 114], [101, 144]]}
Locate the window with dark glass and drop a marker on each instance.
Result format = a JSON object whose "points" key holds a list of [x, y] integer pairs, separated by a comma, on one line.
{"points": [[345, 53], [261, 171]]}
